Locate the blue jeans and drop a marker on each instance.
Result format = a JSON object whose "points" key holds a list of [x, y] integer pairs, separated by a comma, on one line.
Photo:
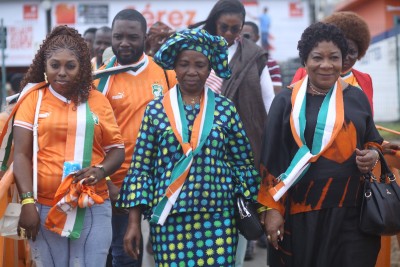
{"points": [[119, 257], [90, 250]]}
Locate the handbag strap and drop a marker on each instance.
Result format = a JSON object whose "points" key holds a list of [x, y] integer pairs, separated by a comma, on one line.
{"points": [[385, 170], [35, 143]]}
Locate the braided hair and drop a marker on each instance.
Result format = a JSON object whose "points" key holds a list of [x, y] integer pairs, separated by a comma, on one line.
{"points": [[64, 37]]}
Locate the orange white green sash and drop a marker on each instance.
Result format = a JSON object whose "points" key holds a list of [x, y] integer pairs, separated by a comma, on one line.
{"points": [[106, 75], [174, 108], [6, 136], [329, 122], [67, 216]]}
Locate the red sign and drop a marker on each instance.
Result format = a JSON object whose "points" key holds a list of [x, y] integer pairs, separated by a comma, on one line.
{"points": [[31, 11], [296, 9]]}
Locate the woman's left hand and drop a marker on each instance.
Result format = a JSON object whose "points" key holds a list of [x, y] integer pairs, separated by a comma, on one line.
{"points": [[366, 159], [92, 175]]}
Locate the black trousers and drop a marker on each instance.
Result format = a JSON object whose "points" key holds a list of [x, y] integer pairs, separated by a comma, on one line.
{"points": [[325, 238]]}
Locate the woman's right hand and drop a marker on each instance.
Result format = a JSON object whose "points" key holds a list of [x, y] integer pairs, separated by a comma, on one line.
{"points": [[274, 226], [133, 233], [29, 220]]}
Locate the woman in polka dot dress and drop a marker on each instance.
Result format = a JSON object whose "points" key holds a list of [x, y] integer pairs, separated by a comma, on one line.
{"points": [[191, 157]]}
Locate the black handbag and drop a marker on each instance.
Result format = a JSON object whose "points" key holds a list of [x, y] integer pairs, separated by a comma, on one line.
{"points": [[247, 220], [380, 209]]}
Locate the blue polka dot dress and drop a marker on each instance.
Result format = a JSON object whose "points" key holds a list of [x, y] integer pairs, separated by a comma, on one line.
{"points": [[201, 229]]}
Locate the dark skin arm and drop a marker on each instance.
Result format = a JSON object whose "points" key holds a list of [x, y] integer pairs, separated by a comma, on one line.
{"points": [[113, 160], [23, 168], [133, 233]]}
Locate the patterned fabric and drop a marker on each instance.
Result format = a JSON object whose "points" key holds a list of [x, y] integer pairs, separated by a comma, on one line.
{"points": [[274, 72], [195, 240], [223, 167], [213, 47], [191, 145], [333, 180], [214, 82], [329, 123]]}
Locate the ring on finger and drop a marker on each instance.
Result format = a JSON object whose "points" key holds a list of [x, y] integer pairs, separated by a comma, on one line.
{"points": [[278, 233], [22, 232], [269, 237], [92, 176]]}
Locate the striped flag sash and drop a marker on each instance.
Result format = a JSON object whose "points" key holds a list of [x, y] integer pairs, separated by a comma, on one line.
{"points": [[106, 75], [67, 216], [174, 109], [6, 136], [329, 122]]}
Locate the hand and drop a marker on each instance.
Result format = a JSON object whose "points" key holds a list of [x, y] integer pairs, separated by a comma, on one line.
{"points": [[29, 220], [133, 233], [366, 159], [92, 176], [113, 191], [390, 148], [273, 226]]}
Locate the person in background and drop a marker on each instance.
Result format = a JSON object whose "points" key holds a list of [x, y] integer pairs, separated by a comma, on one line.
{"points": [[320, 139], [88, 36], [102, 40], [265, 24], [250, 87], [194, 129], [156, 36], [129, 74], [250, 31], [79, 146]]}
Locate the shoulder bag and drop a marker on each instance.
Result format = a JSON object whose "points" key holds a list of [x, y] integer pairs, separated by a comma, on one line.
{"points": [[380, 210], [247, 220], [10, 219]]}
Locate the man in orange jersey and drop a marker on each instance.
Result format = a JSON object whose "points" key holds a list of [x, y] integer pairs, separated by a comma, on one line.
{"points": [[130, 81]]}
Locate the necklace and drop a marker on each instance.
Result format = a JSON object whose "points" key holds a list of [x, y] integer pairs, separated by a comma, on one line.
{"points": [[193, 100], [316, 92]]}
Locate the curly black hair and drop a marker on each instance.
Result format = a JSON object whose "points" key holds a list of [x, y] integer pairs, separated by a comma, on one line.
{"points": [[222, 7], [64, 37], [353, 28], [317, 33]]}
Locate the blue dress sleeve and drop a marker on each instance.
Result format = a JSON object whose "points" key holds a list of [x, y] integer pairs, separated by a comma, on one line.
{"points": [[138, 188]]}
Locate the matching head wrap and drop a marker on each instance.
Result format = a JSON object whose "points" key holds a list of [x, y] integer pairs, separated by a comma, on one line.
{"points": [[215, 48]]}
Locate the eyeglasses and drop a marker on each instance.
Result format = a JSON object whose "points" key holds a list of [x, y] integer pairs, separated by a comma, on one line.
{"points": [[234, 29]]}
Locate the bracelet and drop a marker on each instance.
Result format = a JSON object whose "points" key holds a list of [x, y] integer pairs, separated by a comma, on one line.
{"points": [[108, 178], [376, 162], [29, 200], [262, 209], [26, 195]]}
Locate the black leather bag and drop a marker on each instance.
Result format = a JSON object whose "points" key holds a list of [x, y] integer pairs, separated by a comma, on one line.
{"points": [[380, 210], [247, 220]]}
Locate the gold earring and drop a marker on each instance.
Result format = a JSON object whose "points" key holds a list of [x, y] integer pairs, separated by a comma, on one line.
{"points": [[45, 77]]}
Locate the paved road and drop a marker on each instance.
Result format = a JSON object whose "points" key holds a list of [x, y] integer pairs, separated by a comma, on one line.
{"points": [[259, 260]]}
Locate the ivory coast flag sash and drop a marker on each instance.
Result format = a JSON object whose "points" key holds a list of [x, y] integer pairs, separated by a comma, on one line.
{"points": [[67, 216], [6, 136], [174, 108], [106, 75], [329, 122]]}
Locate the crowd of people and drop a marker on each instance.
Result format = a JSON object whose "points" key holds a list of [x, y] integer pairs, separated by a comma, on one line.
{"points": [[125, 127]]}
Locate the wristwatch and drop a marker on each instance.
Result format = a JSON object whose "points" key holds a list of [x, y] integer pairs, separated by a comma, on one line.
{"points": [[100, 166]]}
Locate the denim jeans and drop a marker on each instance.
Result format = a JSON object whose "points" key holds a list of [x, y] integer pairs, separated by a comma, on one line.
{"points": [[119, 257], [90, 250]]}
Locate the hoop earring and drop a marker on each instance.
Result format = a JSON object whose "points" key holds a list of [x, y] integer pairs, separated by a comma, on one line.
{"points": [[45, 77]]}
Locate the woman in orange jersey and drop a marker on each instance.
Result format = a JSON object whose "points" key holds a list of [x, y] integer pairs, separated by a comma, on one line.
{"points": [[68, 221], [321, 137]]}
